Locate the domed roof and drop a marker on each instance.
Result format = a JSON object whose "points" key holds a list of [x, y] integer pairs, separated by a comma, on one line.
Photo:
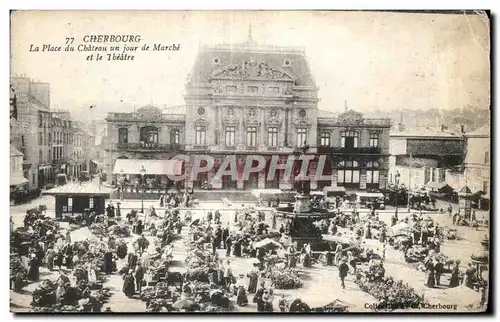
{"points": [[149, 112]]}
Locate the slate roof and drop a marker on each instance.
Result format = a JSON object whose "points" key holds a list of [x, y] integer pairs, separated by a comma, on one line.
{"points": [[235, 54], [77, 188]]}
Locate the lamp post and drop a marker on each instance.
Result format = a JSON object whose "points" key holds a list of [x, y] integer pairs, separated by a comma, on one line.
{"points": [[397, 192], [142, 172], [121, 184]]}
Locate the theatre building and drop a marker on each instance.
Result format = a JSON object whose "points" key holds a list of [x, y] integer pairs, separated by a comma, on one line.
{"points": [[247, 99]]}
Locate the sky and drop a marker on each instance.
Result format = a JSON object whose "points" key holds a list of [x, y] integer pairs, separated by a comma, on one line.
{"points": [[371, 60]]}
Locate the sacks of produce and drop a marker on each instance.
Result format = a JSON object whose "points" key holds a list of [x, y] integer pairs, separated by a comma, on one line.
{"points": [[391, 295], [44, 294], [375, 271], [286, 279], [120, 230], [99, 229]]}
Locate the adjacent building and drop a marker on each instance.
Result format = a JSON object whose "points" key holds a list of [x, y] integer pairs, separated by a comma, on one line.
{"points": [[423, 155], [31, 130], [17, 178], [475, 172], [245, 100]]}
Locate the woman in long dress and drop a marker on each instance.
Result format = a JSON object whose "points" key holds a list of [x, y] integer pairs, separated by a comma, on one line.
{"points": [[429, 273], [455, 279], [34, 269], [253, 276], [129, 284], [241, 297]]}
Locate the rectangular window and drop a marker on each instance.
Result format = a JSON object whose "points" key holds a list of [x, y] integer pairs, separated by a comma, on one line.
{"points": [[340, 176], [373, 140], [274, 89], [253, 89], [40, 120], [40, 156], [69, 207], [348, 176], [301, 136], [91, 203], [200, 138], [230, 136], [231, 89], [486, 157], [123, 135], [40, 139], [372, 176], [251, 137], [485, 186], [349, 139], [272, 137], [325, 139]]}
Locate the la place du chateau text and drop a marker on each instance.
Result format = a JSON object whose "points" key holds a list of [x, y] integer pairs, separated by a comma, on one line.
{"points": [[105, 47]]}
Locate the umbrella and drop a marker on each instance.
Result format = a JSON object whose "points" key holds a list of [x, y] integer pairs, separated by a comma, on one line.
{"points": [[401, 228], [183, 304], [267, 244], [339, 239], [214, 292], [195, 222]]}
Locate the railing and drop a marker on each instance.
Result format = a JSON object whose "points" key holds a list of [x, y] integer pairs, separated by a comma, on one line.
{"points": [[149, 147], [364, 150]]}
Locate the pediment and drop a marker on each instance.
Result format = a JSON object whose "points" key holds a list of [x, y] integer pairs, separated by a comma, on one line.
{"points": [[302, 123], [249, 70], [351, 117]]}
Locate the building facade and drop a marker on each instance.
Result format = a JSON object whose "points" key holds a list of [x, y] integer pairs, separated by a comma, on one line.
{"points": [[475, 172], [421, 156], [17, 178], [246, 100], [31, 131]]}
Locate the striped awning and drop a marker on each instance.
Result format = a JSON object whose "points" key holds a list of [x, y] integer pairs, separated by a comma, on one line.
{"points": [[155, 167]]}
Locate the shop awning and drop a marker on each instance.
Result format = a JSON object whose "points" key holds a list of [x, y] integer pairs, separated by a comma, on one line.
{"points": [[435, 185], [155, 167], [17, 180]]}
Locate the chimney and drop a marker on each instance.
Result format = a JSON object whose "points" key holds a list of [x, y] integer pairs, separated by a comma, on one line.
{"points": [[462, 129], [401, 127], [442, 128]]}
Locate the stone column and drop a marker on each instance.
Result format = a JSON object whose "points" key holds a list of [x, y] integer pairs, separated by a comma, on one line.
{"points": [[262, 135]]}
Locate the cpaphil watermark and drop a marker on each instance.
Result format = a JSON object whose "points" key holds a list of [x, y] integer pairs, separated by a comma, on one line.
{"points": [[295, 168]]}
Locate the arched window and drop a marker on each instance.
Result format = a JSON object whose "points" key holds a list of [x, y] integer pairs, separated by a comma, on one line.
{"points": [[349, 139], [122, 136], [348, 174], [149, 137], [175, 136], [372, 174]]}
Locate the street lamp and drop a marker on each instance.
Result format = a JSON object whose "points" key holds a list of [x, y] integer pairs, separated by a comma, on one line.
{"points": [[397, 192], [142, 172], [121, 184]]}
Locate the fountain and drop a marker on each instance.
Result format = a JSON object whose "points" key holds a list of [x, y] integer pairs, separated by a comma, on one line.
{"points": [[303, 215]]}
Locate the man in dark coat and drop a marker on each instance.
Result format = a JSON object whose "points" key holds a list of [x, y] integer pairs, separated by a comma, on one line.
{"points": [[343, 270], [139, 276], [108, 262], [132, 260], [257, 298], [225, 235], [229, 242], [218, 236]]}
